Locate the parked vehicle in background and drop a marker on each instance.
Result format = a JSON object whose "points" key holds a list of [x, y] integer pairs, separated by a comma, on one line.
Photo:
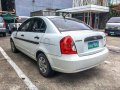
{"points": [[113, 26], [2, 27], [17, 22], [60, 44]]}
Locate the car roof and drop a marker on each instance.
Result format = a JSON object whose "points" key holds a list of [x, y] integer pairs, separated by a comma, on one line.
{"points": [[114, 19], [48, 16], [59, 17]]}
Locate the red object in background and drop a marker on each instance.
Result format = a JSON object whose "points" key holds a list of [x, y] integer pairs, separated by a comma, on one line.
{"points": [[4, 25]]}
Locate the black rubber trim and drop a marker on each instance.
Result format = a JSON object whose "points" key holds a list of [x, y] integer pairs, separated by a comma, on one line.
{"points": [[27, 40], [93, 38]]}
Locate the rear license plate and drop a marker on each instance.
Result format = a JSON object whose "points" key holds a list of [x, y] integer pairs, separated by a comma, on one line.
{"points": [[93, 44]]}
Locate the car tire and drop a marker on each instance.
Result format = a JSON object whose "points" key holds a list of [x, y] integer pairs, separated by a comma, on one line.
{"points": [[10, 32], [13, 48], [4, 34], [44, 66], [109, 34]]}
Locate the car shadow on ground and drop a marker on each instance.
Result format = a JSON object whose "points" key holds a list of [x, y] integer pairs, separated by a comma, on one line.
{"points": [[79, 77]]}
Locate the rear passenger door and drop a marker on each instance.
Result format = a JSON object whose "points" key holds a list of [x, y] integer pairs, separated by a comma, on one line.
{"points": [[35, 35]]}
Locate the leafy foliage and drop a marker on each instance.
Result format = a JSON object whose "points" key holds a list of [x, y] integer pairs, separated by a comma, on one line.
{"points": [[113, 13]]}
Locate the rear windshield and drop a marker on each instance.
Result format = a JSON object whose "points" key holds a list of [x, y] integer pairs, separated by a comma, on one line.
{"points": [[1, 20], [69, 24], [114, 20]]}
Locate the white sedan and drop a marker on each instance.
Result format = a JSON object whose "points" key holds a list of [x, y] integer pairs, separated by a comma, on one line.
{"points": [[60, 44]]}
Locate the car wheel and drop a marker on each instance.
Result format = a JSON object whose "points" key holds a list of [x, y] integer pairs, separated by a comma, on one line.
{"points": [[13, 48], [44, 66], [109, 34], [4, 34]]}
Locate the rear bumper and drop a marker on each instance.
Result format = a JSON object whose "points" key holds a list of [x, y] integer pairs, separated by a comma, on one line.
{"points": [[74, 63], [113, 32], [2, 30]]}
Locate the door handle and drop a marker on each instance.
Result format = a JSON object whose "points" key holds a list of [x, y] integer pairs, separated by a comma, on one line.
{"points": [[22, 35], [36, 37]]}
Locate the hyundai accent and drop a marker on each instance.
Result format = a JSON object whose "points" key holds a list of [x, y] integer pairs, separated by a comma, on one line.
{"points": [[60, 44]]}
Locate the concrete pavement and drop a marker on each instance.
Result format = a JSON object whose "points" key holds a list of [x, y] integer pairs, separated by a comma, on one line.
{"points": [[103, 77]]}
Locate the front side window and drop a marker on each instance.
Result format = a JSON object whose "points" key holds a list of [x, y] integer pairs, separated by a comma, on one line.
{"points": [[39, 26], [25, 26], [69, 24]]}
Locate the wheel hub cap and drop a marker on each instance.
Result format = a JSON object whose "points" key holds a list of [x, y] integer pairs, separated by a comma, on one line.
{"points": [[42, 65]]}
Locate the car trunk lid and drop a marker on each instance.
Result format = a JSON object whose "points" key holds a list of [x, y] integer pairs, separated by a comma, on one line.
{"points": [[87, 42]]}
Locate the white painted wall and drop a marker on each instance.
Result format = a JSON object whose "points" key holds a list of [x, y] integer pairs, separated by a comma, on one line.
{"points": [[0, 6], [24, 7], [77, 3]]}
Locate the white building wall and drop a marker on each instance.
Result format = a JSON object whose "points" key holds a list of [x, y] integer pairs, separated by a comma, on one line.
{"points": [[77, 3], [0, 6], [24, 7]]}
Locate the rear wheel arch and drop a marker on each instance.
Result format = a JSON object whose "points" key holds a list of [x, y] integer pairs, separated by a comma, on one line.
{"points": [[40, 51], [50, 71]]}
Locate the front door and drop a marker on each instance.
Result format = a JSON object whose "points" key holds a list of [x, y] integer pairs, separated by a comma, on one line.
{"points": [[35, 35], [21, 37]]}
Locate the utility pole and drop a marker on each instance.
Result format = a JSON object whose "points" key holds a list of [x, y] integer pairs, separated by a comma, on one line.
{"points": [[33, 4]]}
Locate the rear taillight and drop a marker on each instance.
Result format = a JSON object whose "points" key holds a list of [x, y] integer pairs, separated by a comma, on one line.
{"points": [[4, 25], [67, 45]]}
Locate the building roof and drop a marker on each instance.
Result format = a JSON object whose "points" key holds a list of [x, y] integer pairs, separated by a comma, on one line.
{"points": [[86, 8], [116, 7]]}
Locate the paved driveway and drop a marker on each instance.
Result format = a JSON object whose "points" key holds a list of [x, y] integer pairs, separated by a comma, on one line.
{"points": [[103, 77]]}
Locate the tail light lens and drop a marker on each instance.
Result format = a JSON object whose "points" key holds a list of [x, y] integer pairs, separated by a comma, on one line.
{"points": [[4, 25], [67, 45]]}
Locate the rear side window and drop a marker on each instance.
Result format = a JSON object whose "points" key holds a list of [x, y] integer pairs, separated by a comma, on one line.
{"points": [[1, 20], [39, 25], [114, 20], [69, 24]]}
